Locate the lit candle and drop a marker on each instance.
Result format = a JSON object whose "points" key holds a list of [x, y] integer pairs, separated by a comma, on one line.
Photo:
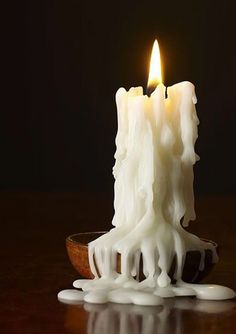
{"points": [[153, 189], [155, 151], [154, 170], [153, 201]]}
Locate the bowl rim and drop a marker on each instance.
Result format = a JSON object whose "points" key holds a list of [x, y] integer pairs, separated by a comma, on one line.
{"points": [[70, 238]]}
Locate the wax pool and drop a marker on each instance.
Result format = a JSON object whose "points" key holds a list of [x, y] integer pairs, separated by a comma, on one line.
{"points": [[154, 201]]}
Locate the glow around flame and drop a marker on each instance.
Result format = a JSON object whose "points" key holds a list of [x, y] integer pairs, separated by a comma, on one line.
{"points": [[155, 75]]}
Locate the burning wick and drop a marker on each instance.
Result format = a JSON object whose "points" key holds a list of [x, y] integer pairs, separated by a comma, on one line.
{"points": [[155, 75], [153, 202]]}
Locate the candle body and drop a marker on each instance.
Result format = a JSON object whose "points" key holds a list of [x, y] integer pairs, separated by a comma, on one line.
{"points": [[153, 188], [155, 156]]}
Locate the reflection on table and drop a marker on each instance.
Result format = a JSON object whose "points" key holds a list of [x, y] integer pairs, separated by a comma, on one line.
{"points": [[125, 319]]}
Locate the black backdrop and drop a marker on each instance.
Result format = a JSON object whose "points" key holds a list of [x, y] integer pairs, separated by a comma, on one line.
{"points": [[68, 58]]}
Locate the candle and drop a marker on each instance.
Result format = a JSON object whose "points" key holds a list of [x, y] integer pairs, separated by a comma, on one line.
{"points": [[153, 180], [155, 151], [153, 175], [153, 200]]}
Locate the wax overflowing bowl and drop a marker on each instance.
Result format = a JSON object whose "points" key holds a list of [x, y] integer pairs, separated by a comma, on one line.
{"points": [[77, 249]]}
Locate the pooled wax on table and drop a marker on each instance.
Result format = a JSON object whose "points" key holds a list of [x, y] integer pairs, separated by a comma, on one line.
{"points": [[153, 202]]}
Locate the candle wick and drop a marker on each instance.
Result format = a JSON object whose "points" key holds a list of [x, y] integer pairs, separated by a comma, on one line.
{"points": [[166, 94], [150, 89]]}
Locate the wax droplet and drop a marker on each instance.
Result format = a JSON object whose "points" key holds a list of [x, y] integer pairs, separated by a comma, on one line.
{"points": [[71, 295]]}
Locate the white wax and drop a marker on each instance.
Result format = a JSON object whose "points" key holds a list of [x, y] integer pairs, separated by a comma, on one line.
{"points": [[153, 193], [153, 185]]}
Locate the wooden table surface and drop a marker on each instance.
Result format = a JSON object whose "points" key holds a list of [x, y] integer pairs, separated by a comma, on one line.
{"points": [[34, 267]]}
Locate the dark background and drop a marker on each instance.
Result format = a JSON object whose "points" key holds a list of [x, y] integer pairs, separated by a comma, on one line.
{"points": [[67, 60]]}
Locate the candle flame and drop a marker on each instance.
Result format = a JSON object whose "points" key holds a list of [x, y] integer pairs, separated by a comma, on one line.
{"points": [[155, 75]]}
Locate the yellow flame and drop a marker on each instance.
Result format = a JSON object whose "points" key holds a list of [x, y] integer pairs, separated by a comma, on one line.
{"points": [[155, 76]]}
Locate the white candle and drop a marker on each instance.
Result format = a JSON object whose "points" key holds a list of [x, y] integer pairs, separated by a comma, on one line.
{"points": [[155, 155], [153, 183], [154, 171], [154, 199]]}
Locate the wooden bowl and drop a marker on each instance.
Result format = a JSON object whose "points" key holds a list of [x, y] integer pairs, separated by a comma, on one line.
{"points": [[77, 249]]}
